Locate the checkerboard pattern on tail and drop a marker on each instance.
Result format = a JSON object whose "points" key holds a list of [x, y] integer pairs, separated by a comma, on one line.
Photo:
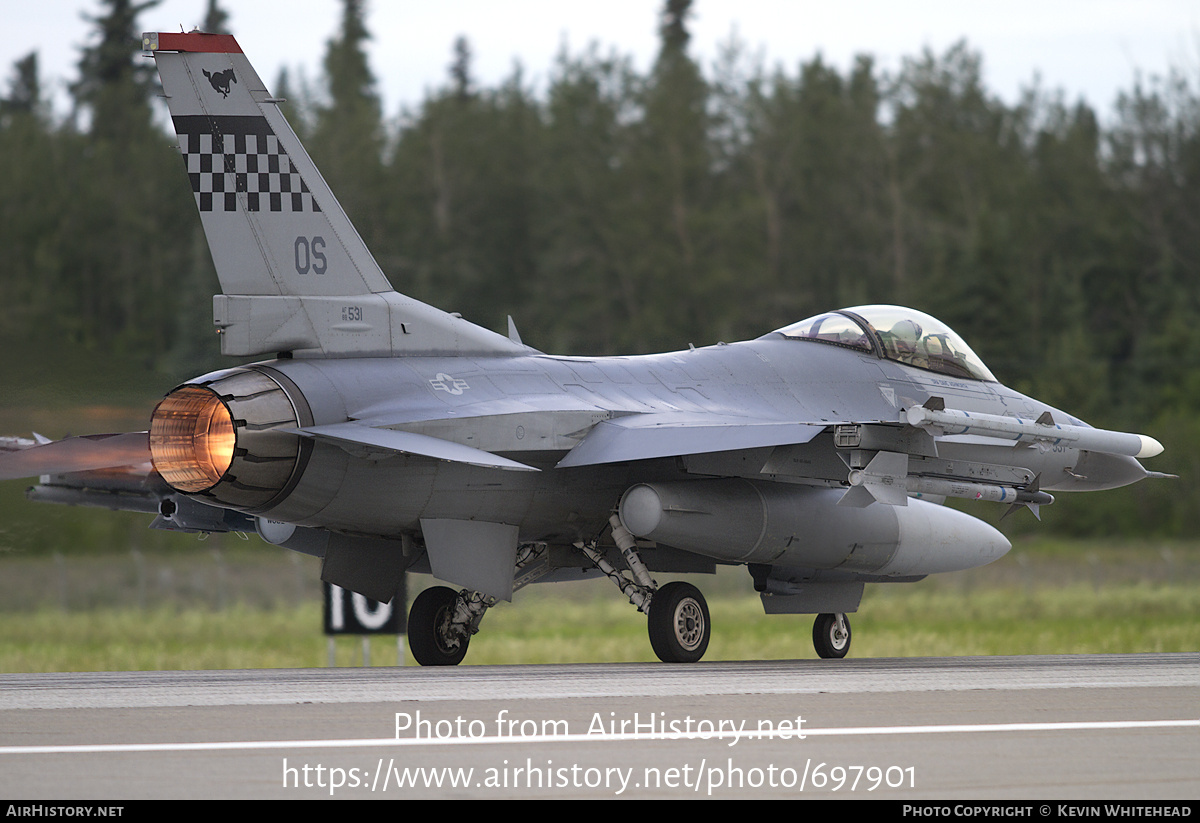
{"points": [[232, 155]]}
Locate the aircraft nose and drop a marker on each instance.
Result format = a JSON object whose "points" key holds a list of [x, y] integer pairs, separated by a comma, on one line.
{"points": [[1098, 471]]}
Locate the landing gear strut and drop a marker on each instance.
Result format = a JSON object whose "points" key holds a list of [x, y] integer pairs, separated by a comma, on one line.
{"points": [[677, 615], [831, 635]]}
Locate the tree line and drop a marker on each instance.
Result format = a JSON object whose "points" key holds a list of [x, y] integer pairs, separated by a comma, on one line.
{"points": [[620, 211]]}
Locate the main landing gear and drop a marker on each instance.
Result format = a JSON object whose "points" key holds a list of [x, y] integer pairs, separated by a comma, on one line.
{"points": [[677, 614], [440, 624], [679, 624], [441, 620]]}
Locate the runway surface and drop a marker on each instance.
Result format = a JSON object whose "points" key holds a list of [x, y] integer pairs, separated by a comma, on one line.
{"points": [[1083, 727]]}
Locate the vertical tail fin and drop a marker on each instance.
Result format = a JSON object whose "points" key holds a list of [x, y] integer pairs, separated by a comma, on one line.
{"points": [[294, 273], [273, 225]]}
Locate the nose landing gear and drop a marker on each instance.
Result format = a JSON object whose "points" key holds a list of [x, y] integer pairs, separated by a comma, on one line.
{"points": [[831, 635]]}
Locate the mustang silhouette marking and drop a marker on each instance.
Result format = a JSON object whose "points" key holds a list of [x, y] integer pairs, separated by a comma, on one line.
{"points": [[221, 81]]}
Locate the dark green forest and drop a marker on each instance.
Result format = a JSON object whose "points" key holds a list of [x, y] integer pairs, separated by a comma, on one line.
{"points": [[622, 212]]}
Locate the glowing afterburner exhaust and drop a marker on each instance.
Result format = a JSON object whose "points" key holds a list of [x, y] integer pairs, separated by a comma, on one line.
{"points": [[192, 439]]}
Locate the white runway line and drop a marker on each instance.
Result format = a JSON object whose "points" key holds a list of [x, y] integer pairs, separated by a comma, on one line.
{"points": [[866, 731]]}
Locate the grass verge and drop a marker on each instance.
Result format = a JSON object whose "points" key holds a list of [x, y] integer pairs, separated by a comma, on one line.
{"points": [[1055, 599]]}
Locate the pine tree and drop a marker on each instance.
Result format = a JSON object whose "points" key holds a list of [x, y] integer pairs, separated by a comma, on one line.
{"points": [[216, 19], [112, 87], [347, 141], [24, 92], [670, 184], [129, 202]]}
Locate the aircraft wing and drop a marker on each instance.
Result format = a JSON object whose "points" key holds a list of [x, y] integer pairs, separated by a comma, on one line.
{"points": [[646, 436]]}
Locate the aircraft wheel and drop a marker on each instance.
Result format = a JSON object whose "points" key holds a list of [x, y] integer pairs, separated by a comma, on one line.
{"points": [[679, 623], [831, 635], [428, 629]]}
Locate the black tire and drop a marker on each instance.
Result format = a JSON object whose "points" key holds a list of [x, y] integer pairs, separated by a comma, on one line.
{"points": [[679, 623], [432, 609], [831, 642]]}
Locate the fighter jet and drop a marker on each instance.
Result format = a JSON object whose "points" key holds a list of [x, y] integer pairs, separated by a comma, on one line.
{"points": [[384, 435]]}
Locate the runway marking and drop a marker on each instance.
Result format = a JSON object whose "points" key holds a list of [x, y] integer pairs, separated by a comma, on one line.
{"points": [[109, 748]]}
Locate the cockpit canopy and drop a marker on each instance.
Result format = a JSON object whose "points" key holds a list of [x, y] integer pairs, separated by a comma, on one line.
{"points": [[895, 333]]}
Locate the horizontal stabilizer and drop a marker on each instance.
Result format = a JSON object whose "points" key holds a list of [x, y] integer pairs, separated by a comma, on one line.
{"points": [[76, 454], [647, 436], [399, 442]]}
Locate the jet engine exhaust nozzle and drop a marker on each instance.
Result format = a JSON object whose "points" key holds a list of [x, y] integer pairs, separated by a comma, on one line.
{"points": [[219, 438], [192, 439]]}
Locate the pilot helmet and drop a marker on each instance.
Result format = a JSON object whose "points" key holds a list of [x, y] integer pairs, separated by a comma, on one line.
{"points": [[906, 333]]}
